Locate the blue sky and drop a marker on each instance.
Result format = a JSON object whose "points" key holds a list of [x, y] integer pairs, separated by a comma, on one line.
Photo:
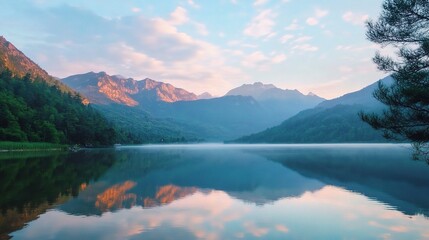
{"points": [[202, 45]]}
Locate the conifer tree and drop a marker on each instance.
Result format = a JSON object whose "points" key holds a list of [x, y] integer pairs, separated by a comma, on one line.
{"points": [[403, 24]]}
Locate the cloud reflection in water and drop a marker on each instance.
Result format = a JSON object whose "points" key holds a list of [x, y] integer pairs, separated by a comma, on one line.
{"points": [[330, 212]]}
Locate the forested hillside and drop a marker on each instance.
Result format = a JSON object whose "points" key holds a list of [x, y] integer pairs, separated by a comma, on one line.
{"points": [[32, 110], [136, 126], [339, 124]]}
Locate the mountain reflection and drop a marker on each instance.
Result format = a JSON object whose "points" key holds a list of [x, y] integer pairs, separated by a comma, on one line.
{"points": [[115, 196], [168, 194], [232, 192], [122, 195], [385, 174], [388, 176], [160, 177], [330, 213]]}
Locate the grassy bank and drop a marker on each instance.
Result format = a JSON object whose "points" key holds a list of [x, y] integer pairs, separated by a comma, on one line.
{"points": [[30, 146]]}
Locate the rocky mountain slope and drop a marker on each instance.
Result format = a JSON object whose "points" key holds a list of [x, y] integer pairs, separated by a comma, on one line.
{"points": [[17, 62], [101, 88], [19, 65]]}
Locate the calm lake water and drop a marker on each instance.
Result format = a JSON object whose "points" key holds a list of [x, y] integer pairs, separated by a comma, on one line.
{"points": [[361, 191]]}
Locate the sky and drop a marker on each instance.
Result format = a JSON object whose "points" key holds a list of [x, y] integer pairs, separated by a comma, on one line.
{"points": [[316, 46]]}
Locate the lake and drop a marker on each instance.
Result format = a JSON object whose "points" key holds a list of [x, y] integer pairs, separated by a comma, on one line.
{"points": [[211, 191]]}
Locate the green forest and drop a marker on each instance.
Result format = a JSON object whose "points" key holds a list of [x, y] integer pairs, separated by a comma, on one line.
{"points": [[339, 124], [33, 111]]}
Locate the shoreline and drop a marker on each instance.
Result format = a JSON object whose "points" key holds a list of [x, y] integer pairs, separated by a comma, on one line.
{"points": [[32, 150], [8, 146]]}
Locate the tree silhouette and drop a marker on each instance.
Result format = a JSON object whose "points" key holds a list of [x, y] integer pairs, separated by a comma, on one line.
{"points": [[404, 25]]}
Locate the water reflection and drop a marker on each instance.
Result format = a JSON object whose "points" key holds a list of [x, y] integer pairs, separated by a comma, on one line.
{"points": [[330, 213], [380, 172], [337, 192], [32, 183], [153, 177]]}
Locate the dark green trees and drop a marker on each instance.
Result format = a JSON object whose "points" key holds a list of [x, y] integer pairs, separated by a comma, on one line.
{"points": [[34, 111], [403, 24]]}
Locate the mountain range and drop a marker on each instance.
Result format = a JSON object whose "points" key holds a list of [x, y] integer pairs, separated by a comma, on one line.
{"points": [[263, 92], [145, 111], [104, 89], [199, 117], [331, 121], [280, 103]]}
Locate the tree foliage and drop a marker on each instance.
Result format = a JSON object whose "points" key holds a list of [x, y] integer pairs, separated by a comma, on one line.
{"points": [[404, 25], [32, 110]]}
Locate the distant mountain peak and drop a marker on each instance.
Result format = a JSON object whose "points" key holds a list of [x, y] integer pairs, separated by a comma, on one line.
{"points": [[102, 88], [331, 121], [205, 95], [261, 91], [260, 85], [282, 103]]}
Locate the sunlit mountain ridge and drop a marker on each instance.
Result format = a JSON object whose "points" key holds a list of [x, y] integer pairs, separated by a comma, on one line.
{"points": [[19, 65], [102, 88]]}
